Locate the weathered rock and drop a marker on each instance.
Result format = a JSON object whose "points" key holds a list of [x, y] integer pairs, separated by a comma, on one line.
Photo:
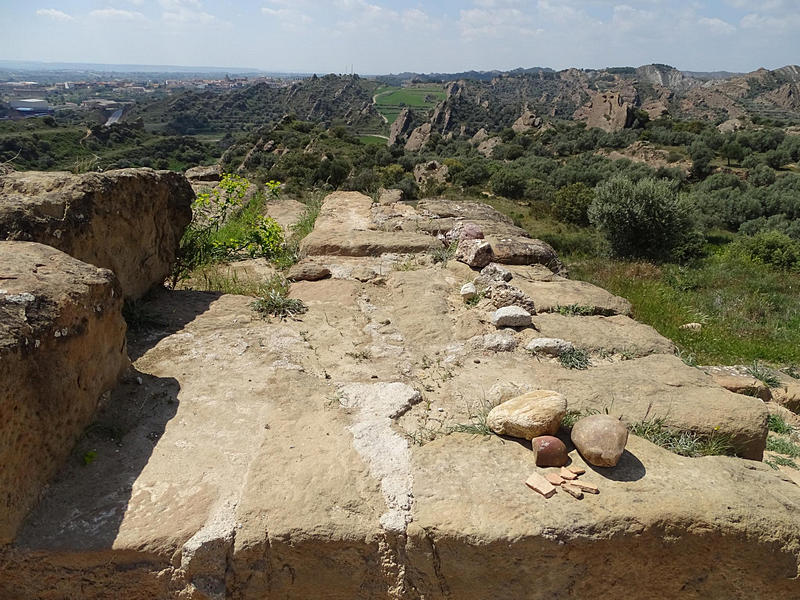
{"points": [[503, 294], [390, 196], [261, 480], [691, 326], [617, 334], [62, 345], [528, 416], [527, 121], [130, 221], [418, 138], [401, 127], [496, 271], [551, 292], [525, 251], [344, 228], [787, 393], [501, 341], [600, 439], [464, 230], [608, 111], [204, 173], [487, 147], [475, 253], [511, 316], [468, 291], [549, 346], [550, 451], [430, 171], [742, 384], [662, 386], [308, 270]]}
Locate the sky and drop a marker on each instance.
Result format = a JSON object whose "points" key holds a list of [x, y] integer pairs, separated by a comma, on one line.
{"points": [[390, 36]]}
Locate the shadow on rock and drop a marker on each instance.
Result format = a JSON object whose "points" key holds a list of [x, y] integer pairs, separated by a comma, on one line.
{"points": [[629, 468], [85, 504], [160, 314]]}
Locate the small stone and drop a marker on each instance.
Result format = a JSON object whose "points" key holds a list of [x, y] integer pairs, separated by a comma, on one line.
{"points": [[567, 474], [528, 416], [475, 253], [691, 326], [600, 439], [550, 451], [512, 316], [538, 483], [308, 271], [139, 380], [554, 478], [502, 341], [586, 487], [573, 490], [549, 346], [497, 272], [468, 291], [577, 470]]}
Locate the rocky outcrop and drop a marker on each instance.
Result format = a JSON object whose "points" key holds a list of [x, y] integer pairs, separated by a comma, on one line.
{"points": [[62, 346], [401, 127], [418, 138], [527, 121], [607, 111], [430, 171], [342, 459], [130, 221]]}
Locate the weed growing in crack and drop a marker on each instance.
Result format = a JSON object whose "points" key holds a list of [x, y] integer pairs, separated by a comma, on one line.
{"points": [[273, 300], [574, 358], [763, 374]]}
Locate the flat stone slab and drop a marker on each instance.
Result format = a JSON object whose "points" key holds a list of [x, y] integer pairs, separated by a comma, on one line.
{"points": [[62, 346], [296, 477], [617, 334], [344, 228], [551, 292]]}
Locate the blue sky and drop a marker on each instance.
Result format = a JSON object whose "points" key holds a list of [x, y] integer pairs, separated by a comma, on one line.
{"points": [[380, 36]]}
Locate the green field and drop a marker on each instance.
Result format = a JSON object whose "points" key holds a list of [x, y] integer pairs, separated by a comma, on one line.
{"points": [[422, 97], [372, 140]]}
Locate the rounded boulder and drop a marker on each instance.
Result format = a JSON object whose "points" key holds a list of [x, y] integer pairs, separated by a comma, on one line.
{"points": [[528, 416], [600, 439], [550, 451]]}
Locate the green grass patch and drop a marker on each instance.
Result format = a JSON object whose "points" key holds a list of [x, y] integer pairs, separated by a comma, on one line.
{"points": [[684, 443], [372, 140], [778, 425], [783, 446], [749, 312]]}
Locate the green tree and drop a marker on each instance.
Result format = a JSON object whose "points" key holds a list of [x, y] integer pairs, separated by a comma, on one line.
{"points": [[732, 151], [701, 156], [507, 182], [572, 203], [646, 219]]}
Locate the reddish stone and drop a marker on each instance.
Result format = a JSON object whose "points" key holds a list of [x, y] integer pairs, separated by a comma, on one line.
{"points": [[550, 451]]}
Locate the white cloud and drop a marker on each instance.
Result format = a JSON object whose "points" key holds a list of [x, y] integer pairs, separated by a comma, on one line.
{"points": [[287, 15], [116, 14], [187, 12], [414, 18], [717, 26], [56, 15]]}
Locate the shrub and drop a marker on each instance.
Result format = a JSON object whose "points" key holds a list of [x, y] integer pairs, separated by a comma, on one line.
{"points": [[761, 175], [771, 248], [572, 203], [508, 183], [646, 219]]}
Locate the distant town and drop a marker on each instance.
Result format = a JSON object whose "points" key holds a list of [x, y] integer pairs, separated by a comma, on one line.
{"points": [[20, 99]]}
